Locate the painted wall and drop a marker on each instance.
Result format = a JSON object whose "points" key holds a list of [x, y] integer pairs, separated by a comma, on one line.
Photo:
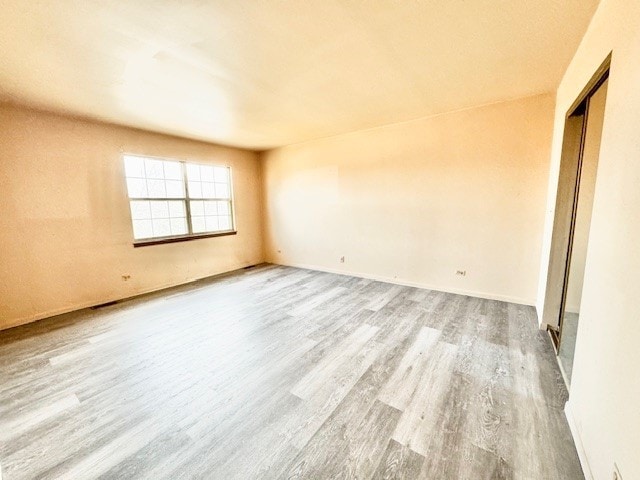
{"points": [[414, 202], [65, 227], [605, 388]]}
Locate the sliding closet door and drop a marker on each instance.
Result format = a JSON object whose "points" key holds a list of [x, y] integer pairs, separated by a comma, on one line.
{"points": [[582, 223]]}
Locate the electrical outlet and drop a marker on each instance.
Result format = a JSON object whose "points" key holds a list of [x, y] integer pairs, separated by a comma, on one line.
{"points": [[616, 472], [341, 259], [126, 277], [462, 273]]}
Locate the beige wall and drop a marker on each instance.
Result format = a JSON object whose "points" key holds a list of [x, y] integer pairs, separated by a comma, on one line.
{"points": [[415, 202], [605, 386], [65, 228]]}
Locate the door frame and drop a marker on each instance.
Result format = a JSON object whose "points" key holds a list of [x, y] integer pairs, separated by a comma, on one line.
{"points": [[567, 192]]}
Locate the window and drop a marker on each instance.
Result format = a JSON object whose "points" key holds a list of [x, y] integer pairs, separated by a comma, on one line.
{"points": [[171, 199]]}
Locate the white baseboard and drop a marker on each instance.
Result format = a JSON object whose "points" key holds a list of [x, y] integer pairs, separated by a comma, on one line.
{"points": [[577, 440], [16, 322], [399, 281]]}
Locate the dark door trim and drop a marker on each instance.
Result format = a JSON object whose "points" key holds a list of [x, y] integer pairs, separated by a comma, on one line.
{"points": [[566, 202]]}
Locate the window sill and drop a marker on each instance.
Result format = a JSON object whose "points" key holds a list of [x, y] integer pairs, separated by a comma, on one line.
{"points": [[183, 238]]}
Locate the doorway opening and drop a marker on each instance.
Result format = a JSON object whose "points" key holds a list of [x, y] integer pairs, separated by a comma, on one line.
{"points": [[572, 221]]}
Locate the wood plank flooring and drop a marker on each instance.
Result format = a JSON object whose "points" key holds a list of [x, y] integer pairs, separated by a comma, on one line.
{"points": [[278, 372]]}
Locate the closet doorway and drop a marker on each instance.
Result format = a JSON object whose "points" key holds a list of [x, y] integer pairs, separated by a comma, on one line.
{"points": [[574, 204]]}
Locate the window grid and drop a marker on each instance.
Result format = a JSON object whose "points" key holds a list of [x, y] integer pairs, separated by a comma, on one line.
{"points": [[170, 198]]}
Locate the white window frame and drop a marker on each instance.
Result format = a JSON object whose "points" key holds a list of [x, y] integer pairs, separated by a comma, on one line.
{"points": [[186, 199]]}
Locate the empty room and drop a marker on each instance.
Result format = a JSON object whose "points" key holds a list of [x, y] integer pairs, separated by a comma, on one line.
{"points": [[337, 239]]}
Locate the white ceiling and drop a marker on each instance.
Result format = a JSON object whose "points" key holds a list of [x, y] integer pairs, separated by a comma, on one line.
{"points": [[264, 73]]}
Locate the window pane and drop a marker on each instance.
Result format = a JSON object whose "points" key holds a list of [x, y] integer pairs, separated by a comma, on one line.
{"points": [[160, 209], [156, 189], [208, 190], [195, 189], [134, 167], [212, 223], [140, 210], [193, 172], [222, 190], [161, 227], [210, 208], [224, 208], [224, 223], [206, 173], [198, 224], [142, 229], [154, 168], [176, 209], [178, 226], [175, 189], [197, 207], [172, 171], [221, 174], [137, 187]]}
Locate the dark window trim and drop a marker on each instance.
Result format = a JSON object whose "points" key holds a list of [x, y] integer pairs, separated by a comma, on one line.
{"points": [[181, 238]]}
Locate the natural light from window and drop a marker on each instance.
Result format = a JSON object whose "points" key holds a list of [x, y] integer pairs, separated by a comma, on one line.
{"points": [[174, 199]]}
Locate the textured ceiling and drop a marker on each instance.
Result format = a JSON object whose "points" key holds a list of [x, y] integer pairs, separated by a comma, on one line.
{"points": [[258, 73]]}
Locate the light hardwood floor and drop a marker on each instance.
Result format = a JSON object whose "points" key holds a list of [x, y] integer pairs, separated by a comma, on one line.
{"points": [[278, 372]]}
